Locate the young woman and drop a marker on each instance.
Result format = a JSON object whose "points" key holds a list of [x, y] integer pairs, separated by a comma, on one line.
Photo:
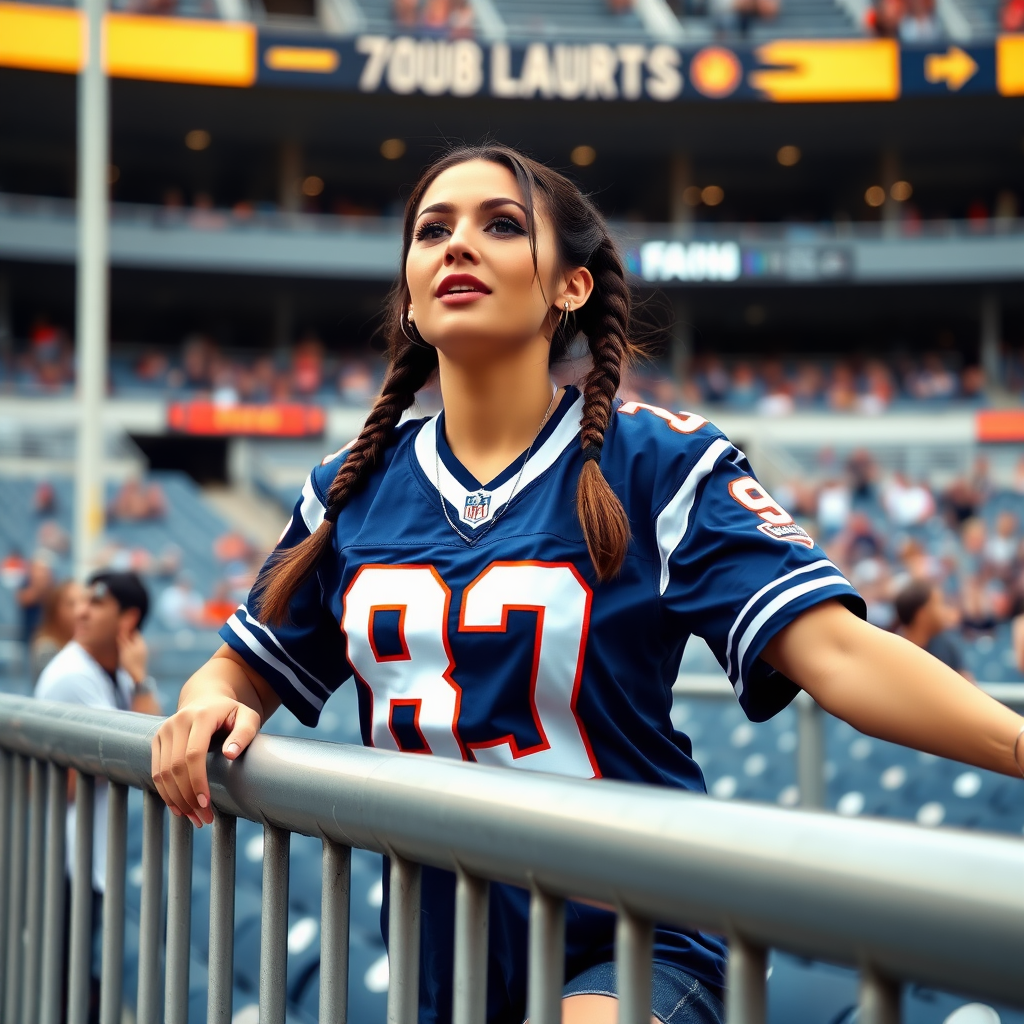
{"points": [[515, 579]]}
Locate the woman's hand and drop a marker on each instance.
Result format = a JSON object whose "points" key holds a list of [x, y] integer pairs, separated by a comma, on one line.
{"points": [[885, 686], [224, 694]]}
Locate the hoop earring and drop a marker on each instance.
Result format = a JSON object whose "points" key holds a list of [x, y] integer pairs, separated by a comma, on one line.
{"points": [[412, 335]]}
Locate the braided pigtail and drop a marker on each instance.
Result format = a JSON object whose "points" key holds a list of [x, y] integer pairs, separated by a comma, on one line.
{"points": [[604, 320], [411, 367]]}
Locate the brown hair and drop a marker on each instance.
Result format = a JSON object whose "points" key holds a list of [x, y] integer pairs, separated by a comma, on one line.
{"points": [[50, 625], [582, 240]]}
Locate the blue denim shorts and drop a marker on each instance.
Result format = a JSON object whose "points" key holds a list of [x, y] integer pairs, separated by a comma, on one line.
{"points": [[676, 997]]}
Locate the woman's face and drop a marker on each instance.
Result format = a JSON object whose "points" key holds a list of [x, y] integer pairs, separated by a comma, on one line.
{"points": [[470, 271], [67, 606]]}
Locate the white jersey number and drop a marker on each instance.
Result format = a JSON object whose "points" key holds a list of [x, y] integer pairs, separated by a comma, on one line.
{"points": [[420, 674]]}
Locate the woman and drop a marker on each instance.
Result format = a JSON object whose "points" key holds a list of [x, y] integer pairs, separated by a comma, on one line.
{"points": [[57, 625], [515, 579]]}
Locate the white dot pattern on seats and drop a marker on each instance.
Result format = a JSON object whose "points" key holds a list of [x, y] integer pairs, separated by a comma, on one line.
{"points": [[247, 1015], [378, 975], [860, 748], [254, 849], [973, 1013], [375, 894], [850, 804], [790, 796], [755, 765], [931, 814], [967, 784], [742, 735], [301, 934], [724, 788], [893, 777], [786, 742]]}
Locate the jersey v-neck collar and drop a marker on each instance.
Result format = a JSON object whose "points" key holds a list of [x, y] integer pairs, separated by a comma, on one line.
{"points": [[474, 504], [470, 482]]}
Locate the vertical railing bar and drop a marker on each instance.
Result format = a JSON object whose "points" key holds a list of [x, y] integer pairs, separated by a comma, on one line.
{"points": [[15, 890], [112, 971], [179, 921], [6, 770], [810, 751], [472, 896], [404, 942], [746, 982], [634, 945], [80, 940], [148, 1002], [222, 919], [52, 981], [879, 998], [334, 917], [547, 958], [34, 893], [274, 925]]}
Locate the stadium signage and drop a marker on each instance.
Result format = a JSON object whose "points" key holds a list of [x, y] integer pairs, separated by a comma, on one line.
{"points": [[667, 261], [241, 55], [208, 419]]}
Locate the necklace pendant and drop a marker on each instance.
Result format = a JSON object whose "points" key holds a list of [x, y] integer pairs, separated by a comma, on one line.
{"points": [[477, 508]]}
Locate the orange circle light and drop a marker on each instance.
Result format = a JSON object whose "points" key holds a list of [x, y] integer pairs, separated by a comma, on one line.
{"points": [[716, 72], [875, 196]]}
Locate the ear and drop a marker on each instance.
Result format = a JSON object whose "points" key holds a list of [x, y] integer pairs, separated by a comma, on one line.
{"points": [[578, 285], [129, 621]]}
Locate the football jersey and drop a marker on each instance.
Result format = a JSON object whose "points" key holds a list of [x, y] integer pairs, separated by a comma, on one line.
{"points": [[483, 634]]}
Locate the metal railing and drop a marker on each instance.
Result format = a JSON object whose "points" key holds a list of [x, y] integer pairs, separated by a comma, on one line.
{"points": [[941, 908]]}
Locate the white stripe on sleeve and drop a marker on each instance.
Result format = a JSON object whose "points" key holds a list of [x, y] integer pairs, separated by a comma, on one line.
{"points": [[770, 609], [255, 624], [671, 525], [813, 567], [279, 666], [312, 508]]}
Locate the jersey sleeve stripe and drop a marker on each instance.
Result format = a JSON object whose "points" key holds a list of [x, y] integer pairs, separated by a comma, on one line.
{"points": [[764, 617], [822, 563], [674, 519], [311, 507], [276, 666], [255, 624]]}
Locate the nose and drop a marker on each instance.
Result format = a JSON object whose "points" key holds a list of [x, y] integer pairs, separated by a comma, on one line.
{"points": [[459, 248]]}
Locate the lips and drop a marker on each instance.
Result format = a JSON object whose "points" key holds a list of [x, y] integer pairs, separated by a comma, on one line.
{"points": [[461, 287]]}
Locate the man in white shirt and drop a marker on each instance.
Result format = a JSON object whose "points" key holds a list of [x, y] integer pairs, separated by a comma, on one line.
{"points": [[104, 666]]}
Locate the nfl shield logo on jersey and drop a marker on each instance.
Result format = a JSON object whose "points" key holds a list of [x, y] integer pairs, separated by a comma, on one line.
{"points": [[478, 507]]}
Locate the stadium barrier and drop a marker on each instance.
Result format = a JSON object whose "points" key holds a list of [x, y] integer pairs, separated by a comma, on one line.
{"points": [[904, 904]]}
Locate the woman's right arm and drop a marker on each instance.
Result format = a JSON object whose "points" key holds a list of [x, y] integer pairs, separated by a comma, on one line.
{"points": [[226, 693]]}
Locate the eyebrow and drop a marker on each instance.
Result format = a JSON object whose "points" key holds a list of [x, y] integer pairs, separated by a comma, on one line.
{"points": [[487, 204]]}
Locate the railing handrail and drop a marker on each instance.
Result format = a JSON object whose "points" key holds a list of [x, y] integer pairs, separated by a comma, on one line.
{"points": [[938, 907]]}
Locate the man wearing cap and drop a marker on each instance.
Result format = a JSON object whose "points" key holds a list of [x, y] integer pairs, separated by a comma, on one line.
{"points": [[103, 666]]}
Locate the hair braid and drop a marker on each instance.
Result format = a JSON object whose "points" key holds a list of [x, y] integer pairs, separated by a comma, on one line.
{"points": [[602, 517], [410, 369]]}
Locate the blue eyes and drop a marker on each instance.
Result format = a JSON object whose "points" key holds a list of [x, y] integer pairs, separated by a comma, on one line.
{"points": [[499, 226]]}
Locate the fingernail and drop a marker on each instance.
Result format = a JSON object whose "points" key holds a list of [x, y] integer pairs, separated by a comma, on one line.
{"points": [[231, 748], [195, 820], [203, 802], [176, 812]]}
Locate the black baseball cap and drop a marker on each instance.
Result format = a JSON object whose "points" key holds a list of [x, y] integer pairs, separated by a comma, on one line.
{"points": [[124, 587]]}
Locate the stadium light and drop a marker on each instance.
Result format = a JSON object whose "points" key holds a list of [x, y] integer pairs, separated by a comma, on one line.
{"points": [[788, 156], [198, 139], [712, 195], [392, 149], [583, 156], [691, 195], [312, 186], [901, 191], [92, 285], [875, 195]]}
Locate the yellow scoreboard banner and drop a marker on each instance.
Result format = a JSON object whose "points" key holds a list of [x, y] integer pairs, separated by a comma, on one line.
{"points": [[1010, 65], [136, 46], [828, 71]]}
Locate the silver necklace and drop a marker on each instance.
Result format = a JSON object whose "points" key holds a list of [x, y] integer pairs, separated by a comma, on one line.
{"points": [[515, 486]]}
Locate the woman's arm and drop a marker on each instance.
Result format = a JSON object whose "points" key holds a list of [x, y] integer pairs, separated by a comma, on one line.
{"points": [[224, 694], [885, 686]]}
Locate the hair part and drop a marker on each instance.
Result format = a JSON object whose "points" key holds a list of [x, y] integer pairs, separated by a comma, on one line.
{"points": [[582, 240]]}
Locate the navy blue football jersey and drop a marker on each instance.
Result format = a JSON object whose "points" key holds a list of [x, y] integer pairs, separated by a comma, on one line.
{"points": [[485, 635]]}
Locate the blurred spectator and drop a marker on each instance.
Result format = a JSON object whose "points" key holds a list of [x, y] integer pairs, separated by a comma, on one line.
{"points": [[308, 365], [834, 506], [52, 537], [44, 501], [461, 20], [1002, 548], [13, 569], [919, 24], [406, 13], [906, 503], [884, 17], [33, 593], [735, 17], [1011, 17], [927, 619], [219, 608], [56, 625], [179, 606], [135, 501]]}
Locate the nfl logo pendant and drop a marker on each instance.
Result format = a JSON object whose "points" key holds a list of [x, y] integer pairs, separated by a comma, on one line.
{"points": [[478, 507]]}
